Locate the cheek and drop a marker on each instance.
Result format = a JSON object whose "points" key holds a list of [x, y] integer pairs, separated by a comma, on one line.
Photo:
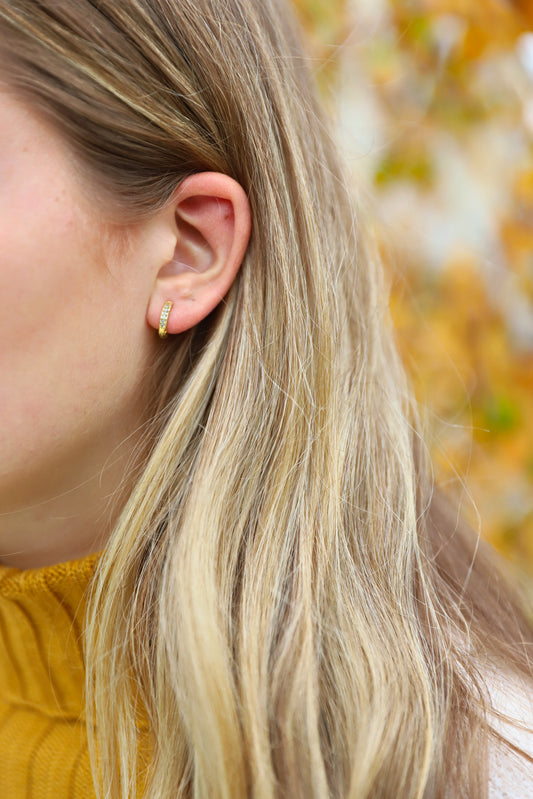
{"points": [[34, 276], [65, 359]]}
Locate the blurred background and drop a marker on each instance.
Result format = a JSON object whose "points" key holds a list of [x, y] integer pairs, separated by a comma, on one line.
{"points": [[433, 101]]}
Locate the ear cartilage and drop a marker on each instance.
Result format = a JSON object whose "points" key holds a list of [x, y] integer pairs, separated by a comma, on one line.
{"points": [[163, 319]]}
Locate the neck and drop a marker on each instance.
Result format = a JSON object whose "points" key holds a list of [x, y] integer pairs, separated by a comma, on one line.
{"points": [[74, 509], [56, 529]]}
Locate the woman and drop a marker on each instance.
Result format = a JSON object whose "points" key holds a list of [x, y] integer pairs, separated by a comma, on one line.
{"points": [[209, 444]]}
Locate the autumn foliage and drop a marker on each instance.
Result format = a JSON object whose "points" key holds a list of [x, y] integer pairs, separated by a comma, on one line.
{"points": [[438, 98]]}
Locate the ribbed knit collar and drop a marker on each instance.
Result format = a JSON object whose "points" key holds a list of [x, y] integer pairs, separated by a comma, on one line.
{"points": [[41, 636]]}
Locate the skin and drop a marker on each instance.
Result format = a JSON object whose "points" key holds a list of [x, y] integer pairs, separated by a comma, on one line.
{"points": [[79, 314]]}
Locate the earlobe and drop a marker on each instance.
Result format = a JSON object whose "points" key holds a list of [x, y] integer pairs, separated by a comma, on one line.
{"points": [[211, 221]]}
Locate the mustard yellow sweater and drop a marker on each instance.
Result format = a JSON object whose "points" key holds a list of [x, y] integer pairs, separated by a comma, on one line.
{"points": [[43, 741]]}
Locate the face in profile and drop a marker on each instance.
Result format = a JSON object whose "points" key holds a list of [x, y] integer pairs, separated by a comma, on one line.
{"points": [[71, 361]]}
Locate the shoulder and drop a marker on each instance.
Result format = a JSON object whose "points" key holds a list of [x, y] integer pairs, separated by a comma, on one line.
{"points": [[511, 774]]}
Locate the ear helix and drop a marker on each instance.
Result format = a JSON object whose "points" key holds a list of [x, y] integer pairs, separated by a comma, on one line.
{"points": [[163, 320]]}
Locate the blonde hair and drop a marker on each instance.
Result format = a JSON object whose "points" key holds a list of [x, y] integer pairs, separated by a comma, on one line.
{"points": [[286, 597]]}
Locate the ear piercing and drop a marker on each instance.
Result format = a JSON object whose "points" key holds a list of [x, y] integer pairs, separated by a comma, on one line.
{"points": [[163, 320]]}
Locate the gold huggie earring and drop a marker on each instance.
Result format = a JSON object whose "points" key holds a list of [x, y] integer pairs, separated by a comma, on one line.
{"points": [[163, 320]]}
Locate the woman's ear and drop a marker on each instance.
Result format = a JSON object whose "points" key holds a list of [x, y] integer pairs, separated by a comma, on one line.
{"points": [[210, 222]]}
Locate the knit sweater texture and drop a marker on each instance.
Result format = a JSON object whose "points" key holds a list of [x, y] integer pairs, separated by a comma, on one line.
{"points": [[43, 739]]}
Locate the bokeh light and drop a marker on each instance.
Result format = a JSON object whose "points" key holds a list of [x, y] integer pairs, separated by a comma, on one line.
{"points": [[433, 100]]}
